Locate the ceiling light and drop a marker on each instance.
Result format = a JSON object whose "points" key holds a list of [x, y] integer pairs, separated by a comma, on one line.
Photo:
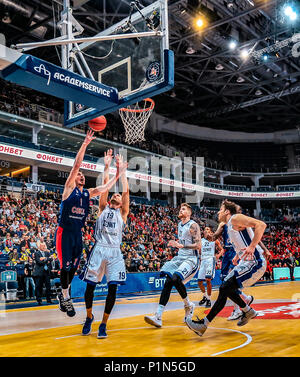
{"points": [[199, 22], [290, 12], [244, 54], [6, 18], [258, 92], [265, 57], [240, 79], [232, 45], [204, 45], [219, 67], [190, 50]]}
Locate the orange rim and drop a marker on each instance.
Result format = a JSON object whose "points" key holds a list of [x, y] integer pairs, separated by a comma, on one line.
{"points": [[140, 110]]}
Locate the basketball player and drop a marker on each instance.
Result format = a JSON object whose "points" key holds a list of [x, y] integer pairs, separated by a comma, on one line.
{"points": [[106, 257], [182, 267], [73, 212], [207, 265], [248, 271], [229, 261]]}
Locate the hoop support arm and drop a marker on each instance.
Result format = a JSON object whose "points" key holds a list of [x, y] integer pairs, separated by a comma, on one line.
{"points": [[29, 46]]}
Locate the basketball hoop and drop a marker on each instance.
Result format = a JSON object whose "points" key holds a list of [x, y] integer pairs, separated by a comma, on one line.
{"points": [[135, 118]]}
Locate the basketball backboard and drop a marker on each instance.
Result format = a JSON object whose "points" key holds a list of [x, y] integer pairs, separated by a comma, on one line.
{"points": [[118, 67], [137, 67]]}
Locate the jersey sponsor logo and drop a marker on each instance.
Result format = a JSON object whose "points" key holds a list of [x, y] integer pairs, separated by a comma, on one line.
{"points": [[78, 210], [271, 310], [109, 224]]}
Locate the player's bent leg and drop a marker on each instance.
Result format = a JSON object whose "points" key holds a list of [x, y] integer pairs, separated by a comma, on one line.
{"points": [[188, 305], [209, 289], [156, 319], [202, 288], [228, 289], [64, 301]]}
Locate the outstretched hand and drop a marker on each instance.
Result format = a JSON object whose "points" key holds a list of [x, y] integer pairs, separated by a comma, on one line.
{"points": [[248, 253], [120, 164], [89, 137], [108, 156]]}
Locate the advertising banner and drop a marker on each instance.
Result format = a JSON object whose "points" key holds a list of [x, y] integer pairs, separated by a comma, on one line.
{"points": [[139, 282]]}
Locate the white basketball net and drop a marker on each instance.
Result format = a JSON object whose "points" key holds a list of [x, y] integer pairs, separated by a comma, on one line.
{"points": [[135, 118]]}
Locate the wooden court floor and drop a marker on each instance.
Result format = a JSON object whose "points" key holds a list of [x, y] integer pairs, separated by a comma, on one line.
{"points": [[45, 331]]}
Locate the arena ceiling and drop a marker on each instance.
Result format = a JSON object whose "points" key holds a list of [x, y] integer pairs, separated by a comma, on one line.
{"points": [[214, 86]]}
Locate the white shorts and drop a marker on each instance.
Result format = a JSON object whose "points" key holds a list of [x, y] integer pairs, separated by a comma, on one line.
{"points": [[207, 269], [185, 267], [104, 260], [248, 273]]}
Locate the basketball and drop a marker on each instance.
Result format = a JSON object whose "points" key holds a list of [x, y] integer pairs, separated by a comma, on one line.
{"points": [[98, 124]]}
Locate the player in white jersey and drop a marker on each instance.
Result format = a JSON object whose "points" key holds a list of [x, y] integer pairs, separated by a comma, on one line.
{"points": [[106, 257], [248, 271], [207, 265], [182, 267], [230, 260]]}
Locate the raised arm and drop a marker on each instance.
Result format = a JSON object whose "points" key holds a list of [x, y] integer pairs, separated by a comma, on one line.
{"points": [[70, 182], [106, 187], [103, 197], [125, 189]]}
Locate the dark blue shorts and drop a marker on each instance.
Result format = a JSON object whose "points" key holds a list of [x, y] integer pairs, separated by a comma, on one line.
{"points": [[68, 248], [227, 264]]}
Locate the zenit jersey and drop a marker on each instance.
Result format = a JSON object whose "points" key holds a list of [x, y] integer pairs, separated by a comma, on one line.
{"points": [[185, 238], [109, 227], [241, 239], [207, 249], [74, 210]]}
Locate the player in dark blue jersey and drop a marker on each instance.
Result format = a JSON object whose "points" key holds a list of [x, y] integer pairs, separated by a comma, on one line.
{"points": [[73, 213]]}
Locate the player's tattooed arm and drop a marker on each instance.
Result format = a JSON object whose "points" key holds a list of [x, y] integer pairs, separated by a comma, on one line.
{"points": [[196, 237]]}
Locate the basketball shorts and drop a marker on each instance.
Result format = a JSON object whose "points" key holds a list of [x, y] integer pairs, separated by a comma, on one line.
{"points": [[207, 269], [104, 260], [68, 248], [185, 267], [248, 273], [227, 264]]}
